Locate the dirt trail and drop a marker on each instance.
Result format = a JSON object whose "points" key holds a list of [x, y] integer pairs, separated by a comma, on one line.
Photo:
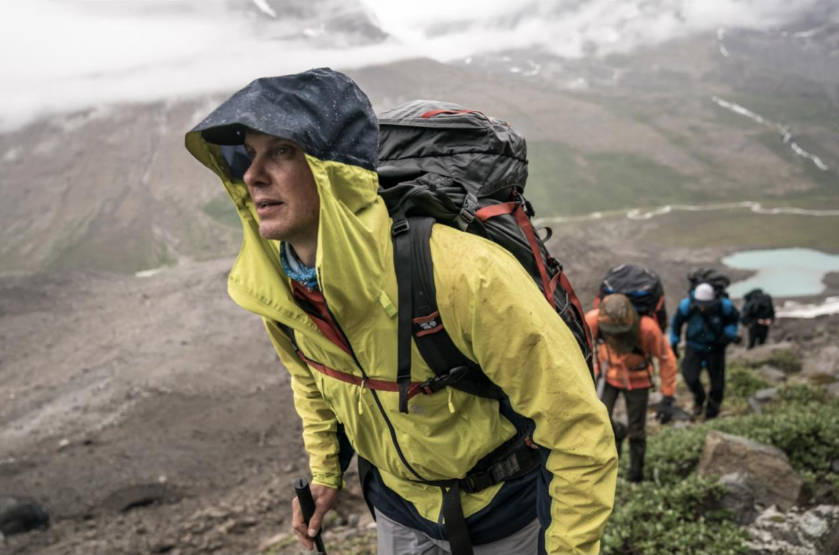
{"points": [[119, 391]]}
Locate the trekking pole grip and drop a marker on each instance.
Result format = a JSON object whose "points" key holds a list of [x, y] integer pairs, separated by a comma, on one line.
{"points": [[307, 507]]}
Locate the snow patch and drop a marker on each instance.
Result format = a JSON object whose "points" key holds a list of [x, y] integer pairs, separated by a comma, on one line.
{"points": [[807, 34], [785, 132], [149, 273], [724, 50], [11, 155], [792, 309], [265, 8], [577, 84]]}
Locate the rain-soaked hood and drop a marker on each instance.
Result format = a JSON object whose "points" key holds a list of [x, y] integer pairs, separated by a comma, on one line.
{"points": [[325, 113]]}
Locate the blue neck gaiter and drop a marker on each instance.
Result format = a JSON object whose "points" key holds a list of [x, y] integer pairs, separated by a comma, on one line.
{"points": [[296, 270]]}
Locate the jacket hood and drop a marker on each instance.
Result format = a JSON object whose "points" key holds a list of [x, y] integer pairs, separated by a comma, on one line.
{"points": [[331, 119], [322, 110]]}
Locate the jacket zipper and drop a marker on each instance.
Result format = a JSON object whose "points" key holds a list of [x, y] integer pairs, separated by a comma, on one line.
{"points": [[373, 391]]}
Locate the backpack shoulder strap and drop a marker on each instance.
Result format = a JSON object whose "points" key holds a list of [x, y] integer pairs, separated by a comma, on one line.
{"points": [[433, 341]]}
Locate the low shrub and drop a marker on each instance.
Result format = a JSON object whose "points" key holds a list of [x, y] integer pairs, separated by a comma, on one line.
{"points": [[742, 382], [682, 519], [674, 511], [785, 360], [801, 421]]}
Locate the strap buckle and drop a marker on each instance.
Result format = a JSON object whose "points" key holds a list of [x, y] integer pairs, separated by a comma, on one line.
{"points": [[467, 212], [473, 483], [437, 383], [518, 460], [400, 226]]}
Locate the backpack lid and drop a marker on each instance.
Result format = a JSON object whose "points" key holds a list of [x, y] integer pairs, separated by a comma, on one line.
{"points": [[716, 279], [632, 281], [483, 154]]}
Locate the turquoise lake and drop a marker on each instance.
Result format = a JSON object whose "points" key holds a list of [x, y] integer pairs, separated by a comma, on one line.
{"points": [[782, 272]]}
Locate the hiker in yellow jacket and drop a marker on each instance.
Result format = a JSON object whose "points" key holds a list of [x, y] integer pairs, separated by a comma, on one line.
{"points": [[298, 157], [628, 345]]}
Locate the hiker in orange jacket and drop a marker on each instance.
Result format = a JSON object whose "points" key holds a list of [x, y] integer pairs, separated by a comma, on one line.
{"points": [[627, 345]]}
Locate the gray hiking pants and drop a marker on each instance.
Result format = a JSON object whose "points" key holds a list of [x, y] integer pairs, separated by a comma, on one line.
{"points": [[396, 539]]}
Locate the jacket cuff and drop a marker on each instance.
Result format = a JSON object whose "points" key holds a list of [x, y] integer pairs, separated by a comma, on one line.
{"points": [[328, 479]]}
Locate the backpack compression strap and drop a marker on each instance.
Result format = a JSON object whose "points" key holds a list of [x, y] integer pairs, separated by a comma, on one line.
{"points": [[402, 258], [435, 345], [520, 209]]}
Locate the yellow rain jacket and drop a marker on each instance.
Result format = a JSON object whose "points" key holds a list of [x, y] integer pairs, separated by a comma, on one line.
{"points": [[491, 308]]}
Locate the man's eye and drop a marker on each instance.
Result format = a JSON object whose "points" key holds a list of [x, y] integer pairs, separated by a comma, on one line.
{"points": [[282, 152]]}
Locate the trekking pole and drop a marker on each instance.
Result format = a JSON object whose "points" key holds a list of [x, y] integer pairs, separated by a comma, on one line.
{"points": [[307, 506]]}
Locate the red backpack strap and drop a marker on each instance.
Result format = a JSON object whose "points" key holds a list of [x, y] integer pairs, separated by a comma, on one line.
{"points": [[432, 113]]}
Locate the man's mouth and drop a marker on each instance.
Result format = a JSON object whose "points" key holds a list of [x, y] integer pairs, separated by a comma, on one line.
{"points": [[265, 204]]}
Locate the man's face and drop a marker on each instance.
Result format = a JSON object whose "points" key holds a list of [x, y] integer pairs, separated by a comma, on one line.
{"points": [[283, 189]]}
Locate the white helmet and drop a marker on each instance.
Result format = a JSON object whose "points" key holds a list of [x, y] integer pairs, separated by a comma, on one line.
{"points": [[704, 293]]}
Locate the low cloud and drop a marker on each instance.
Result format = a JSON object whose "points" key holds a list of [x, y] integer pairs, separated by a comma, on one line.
{"points": [[63, 56]]}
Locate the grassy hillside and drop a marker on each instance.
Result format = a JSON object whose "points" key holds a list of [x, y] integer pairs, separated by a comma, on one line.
{"points": [[564, 181]]}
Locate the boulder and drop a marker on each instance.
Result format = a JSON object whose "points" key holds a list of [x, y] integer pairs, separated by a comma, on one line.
{"points": [[825, 361], [18, 515], [833, 389], [771, 374], [739, 497], [811, 532], [761, 398], [773, 479], [762, 353]]}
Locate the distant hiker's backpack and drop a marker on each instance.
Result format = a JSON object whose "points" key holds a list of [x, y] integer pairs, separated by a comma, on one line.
{"points": [[439, 163], [758, 305], [641, 285], [717, 280]]}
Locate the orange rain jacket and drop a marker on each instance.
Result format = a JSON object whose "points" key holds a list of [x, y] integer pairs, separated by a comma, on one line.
{"points": [[634, 370]]}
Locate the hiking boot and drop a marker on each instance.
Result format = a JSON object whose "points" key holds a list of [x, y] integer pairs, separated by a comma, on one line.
{"points": [[697, 411]]}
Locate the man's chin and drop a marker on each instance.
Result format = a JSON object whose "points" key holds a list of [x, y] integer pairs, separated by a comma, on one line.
{"points": [[272, 233]]}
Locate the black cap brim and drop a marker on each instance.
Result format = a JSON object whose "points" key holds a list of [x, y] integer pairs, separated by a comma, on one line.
{"points": [[233, 134]]}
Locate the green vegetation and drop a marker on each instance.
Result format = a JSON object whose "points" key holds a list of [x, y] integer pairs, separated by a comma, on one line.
{"points": [[680, 519], [221, 209], [675, 511], [564, 181], [740, 384]]}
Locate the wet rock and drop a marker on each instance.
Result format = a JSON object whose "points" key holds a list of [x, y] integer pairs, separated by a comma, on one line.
{"points": [[761, 398], [763, 353], [825, 361], [771, 374], [18, 515], [131, 497], [773, 479], [811, 532], [739, 497]]}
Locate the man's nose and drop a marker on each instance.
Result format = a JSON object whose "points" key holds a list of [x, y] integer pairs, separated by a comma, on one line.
{"points": [[255, 175]]}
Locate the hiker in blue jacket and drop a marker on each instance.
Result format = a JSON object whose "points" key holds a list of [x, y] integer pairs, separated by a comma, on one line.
{"points": [[712, 323]]}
